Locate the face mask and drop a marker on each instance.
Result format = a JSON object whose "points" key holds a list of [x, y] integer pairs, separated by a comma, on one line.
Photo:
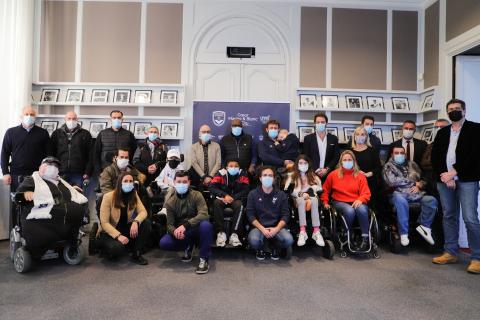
{"points": [[273, 133], [51, 173], [28, 120], [267, 182], [181, 188], [173, 163], [369, 129], [122, 163], [320, 127], [407, 134], [127, 187], [347, 165], [236, 131], [455, 115], [71, 124], [399, 158], [360, 139], [117, 123], [152, 136], [205, 137], [233, 171], [303, 167]]}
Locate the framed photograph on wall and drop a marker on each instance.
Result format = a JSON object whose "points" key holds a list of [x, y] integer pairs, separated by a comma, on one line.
{"points": [[126, 125], [100, 95], [427, 103], [74, 95], [168, 130], [375, 103], [141, 129], [396, 134], [50, 95], [353, 102], [428, 135], [96, 127], [348, 133], [121, 96], [50, 126], [378, 133], [168, 97], [308, 101], [143, 96], [304, 131], [400, 103], [330, 102], [332, 130]]}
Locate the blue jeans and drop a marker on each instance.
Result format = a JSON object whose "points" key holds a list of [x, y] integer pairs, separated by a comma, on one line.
{"points": [[465, 195], [401, 203], [201, 234], [283, 239], [74, 178], [349, 214]]}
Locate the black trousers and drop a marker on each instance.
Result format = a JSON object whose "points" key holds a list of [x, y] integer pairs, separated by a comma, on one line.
{"points": [[113, 248], [218, 213]]}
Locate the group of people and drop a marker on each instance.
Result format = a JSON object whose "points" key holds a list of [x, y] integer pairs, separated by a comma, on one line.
{"points": [[254, 180]]}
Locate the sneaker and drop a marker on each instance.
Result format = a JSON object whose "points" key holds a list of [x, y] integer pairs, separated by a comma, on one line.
{"points": [[234, 241], [445, 258], [404, 240], [221, 239], [260, 255], [365, 244], [187, 255], [317, 236], [138, 259], [275, 256], [426, 233], [302, 238], [202, 266], [163, 211], [474, 267]]}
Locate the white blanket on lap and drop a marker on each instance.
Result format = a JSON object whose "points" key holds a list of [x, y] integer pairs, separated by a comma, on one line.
{"points": [[43, 201]]}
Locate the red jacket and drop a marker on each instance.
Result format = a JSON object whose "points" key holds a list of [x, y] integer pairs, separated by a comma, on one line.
{"points": [[346, 189]]}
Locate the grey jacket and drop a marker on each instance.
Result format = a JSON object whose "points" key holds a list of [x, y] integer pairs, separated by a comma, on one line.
{"points": [[402, 177], [214, 158]]}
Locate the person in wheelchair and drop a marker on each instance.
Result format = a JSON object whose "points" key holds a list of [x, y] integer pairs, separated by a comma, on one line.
{"points": [[349, 192], [404, 178], [123, 221], [267, 211], [304, 186], [55, 208], [230, 188]]}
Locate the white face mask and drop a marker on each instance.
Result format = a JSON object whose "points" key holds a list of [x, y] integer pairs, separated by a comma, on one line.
{"points": [[51, 173], [122, 163], [407, 134], [303, 167], [71, 124]]}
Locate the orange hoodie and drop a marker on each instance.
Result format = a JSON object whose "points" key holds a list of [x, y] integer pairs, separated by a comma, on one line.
{"points": [[346, 189]]}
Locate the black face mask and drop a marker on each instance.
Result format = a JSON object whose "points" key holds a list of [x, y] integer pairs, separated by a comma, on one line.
{"points": [[173, 163], [455, 115]]}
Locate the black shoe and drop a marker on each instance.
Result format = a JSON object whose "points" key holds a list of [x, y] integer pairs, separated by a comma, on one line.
{"points": [[138, 259], [365, 244], [187, 255], [202, 266], [275, 256], [260, 255]]}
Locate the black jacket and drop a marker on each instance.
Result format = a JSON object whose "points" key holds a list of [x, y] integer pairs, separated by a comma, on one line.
{"points": [[310, 148], [235, 186], [268, 154], [467, 152], [241, 148], [419, 147], [74, 150], [107, 143], [142, 158]]}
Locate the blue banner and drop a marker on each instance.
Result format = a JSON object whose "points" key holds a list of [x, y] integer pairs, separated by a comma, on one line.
{"points": [[254, 116]]}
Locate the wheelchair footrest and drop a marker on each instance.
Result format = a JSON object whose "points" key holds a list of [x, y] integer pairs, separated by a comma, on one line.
{"points": [[50, 254]]}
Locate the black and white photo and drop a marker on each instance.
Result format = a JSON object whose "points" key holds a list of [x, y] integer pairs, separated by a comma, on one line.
{"points": [[348, 133], [100, 95], [400, 103], [50, 95], [378, 133], [304, 131], [96, 127], [74, 95], [126, 125], [121, 96], [141, 129], [50, 126], [168, 130], [308, 101], [428, 135], [143, 96], [427, 103], [375, 103], [353, 102], [329, 102], [396, 134], [332, 130], [168, 97]]}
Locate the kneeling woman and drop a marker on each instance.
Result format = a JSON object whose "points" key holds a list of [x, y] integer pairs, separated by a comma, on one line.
{"points": [[349, 192], [123, 222]]}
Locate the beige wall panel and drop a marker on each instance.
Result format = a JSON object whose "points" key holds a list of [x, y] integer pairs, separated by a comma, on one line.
{"points": [[105, 111], [313, 47], [462, 15], [111, 42], [431, 45], [57, 41], [359, 49], [404, 50], [163, 56]]}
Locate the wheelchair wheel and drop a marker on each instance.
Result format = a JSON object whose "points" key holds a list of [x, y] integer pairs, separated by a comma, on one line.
{"points": [[329, 250], [22, 260], [287, 253], [73, 256], [13, 245]]}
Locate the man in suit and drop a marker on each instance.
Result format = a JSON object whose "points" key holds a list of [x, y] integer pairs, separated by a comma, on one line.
{"points": [[414, 148], [322, 147]]}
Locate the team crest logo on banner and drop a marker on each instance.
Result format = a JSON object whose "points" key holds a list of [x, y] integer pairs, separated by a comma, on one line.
{"points": [[218, 118]]}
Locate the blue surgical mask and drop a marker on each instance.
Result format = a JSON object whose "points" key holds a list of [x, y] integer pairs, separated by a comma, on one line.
{"points": [[152, 136], [348, 165], [360, 139], [233, 171], [320, 127], [236, 131], [267, 181], [399, 158], [273, 133], [369, 129], [117, 123], [407, 133], [205, 137], [181, 188], [28, 121], [127, 187]]}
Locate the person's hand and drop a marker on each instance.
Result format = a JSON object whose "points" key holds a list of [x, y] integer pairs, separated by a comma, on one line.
{"points": [[28, 195], [207, 181], [78, 188], [356, 204], [326, 206], [85, 177], [368, 174], [7, 179], [273, 231], [227, 199], [451, 184], [266, 232], [152, 169], [323, 172], [447, 176], [414, 189], [123, 240], [179, 233], [251, 169], [134, 230], [306, 196]]}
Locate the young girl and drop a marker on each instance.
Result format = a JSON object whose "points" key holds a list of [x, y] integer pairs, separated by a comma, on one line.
{"points": [[305, 187]]}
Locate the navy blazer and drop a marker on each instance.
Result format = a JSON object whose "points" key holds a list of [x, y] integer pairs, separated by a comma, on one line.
{"points": [[310, 148]]}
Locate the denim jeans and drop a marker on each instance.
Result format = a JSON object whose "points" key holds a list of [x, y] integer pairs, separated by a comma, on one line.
{"points": [[349, 214], [283, 239], [465, 195], [201, 234], [401, 203]]}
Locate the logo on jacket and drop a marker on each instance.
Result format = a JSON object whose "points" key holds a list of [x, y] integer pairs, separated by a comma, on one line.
{"points": [[218, 118], [274, 200]]}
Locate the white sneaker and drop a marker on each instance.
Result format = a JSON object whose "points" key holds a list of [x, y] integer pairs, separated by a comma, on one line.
{"points": [[404, 240], [426, 233], [221, 239], [234, 241], [317, 236], [302, 238], [163, 211]]}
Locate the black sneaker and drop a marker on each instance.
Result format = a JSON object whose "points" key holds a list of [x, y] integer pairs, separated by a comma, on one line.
{"points": [[187, 255], [202, 266], [138, 259], [260, 255], [275, 256]]}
